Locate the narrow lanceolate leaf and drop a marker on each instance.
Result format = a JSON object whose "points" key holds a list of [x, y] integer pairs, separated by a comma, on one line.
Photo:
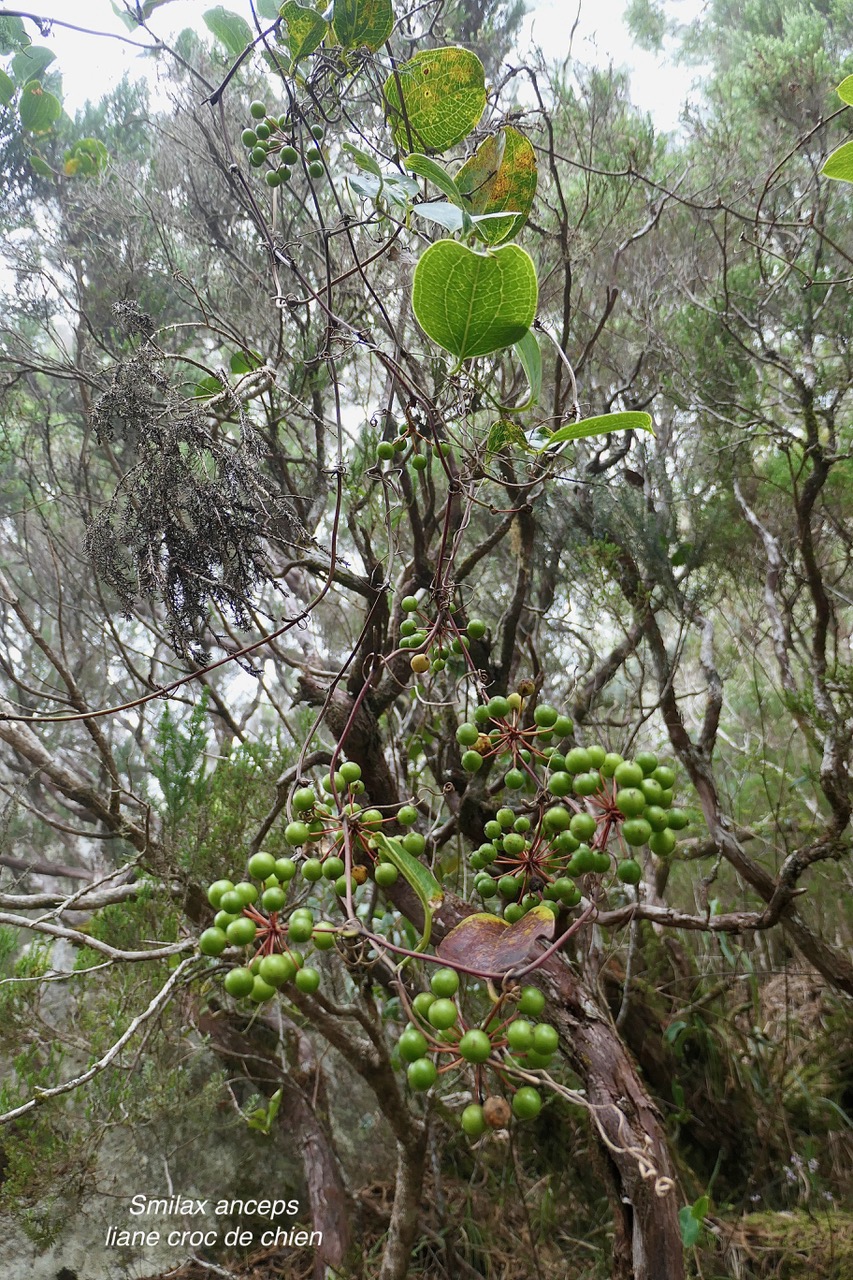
{"points": [[229, 29], [474, 303], [363, 159], [500, 177], [435, 173], [487, 943], [360, 23], [306, 29], [845, 90], [39, 110], [421, 879], [840, 163], [530, 354], [435, 99], [600, 426]]}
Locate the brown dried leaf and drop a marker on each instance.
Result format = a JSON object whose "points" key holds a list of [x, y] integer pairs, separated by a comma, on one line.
{"points": [[486, 942]]}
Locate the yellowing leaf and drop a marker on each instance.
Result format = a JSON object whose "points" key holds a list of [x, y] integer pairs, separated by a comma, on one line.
{"points": [[435, 99], [500, 175]]}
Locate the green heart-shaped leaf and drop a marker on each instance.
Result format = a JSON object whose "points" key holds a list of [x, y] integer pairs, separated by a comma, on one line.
{"points": [[500, 175], [840, 163], [228, 28], [38, 110], [306, 29], [845, 90], [436, 98], [473, 303], [363, 22], [31, 62]]}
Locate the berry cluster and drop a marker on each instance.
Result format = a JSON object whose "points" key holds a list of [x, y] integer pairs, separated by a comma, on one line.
{"points": [[436, 641], [387, 450], [269, 142], [256, 915], [249, 916], [532, 852], [438, 1040]]}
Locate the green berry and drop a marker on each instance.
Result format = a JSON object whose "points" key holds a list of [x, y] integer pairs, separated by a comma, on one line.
{"points": [[412, 1044], [422, 1003], [476, 629], [630, 801], [386, 874], [273, 899], [422, 1074], [324, 936], [519, 1034], [472, 761], [444, 982], [296, 833], [545, 1038], [578, 761], [307, 980], [289, 155], [526, 1103], [276, 969], [473, 1120], [628, 774], [316, 170], [216, 891], [318, 132], [239, 982], [241, 932], [257, 110], [261, 991], [414, 843], [583, 826], [636, 831], [629, 871], [531, 1002], [475, 1046], [312, 870], [248, 138], [442, 1014], [261, 865], [212, 942], [662, 842]]}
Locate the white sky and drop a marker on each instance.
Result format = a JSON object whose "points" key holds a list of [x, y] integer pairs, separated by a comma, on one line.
{"points": [[90, 66]]}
